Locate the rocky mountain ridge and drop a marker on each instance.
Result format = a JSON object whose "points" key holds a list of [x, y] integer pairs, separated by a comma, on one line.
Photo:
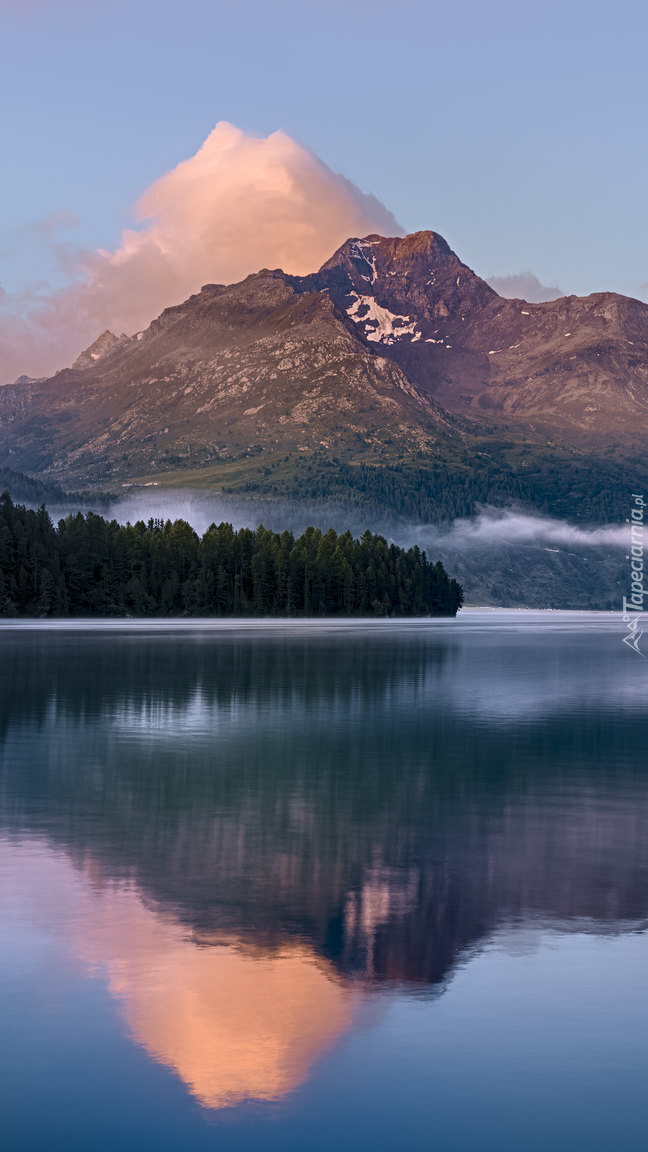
{"points": [[394, 351]]}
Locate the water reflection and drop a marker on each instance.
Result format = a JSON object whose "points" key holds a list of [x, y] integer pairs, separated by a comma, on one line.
{"points": [[233, 1022], [248, 827]]}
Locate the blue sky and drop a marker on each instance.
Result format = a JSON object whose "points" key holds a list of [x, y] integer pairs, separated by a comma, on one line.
{"points": [[515, 130]]}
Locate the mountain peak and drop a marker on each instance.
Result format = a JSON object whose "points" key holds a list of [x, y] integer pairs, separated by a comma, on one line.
{"points": [[425, 242], [402, 290], [426, 245], [385, 266], [104, 344]]}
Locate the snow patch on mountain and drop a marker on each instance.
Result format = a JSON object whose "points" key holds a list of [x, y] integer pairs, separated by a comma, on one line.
{"points": [[380, 325], [363, 254]]}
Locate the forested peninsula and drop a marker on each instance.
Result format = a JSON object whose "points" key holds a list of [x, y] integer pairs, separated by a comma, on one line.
{"points": [[89, 566]]}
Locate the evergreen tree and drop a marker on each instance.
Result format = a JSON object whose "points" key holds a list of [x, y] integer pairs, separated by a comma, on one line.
{"points": [[88, 566]]}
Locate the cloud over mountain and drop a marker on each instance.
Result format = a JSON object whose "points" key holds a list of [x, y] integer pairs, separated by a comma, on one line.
{"points": [[524, 286], [242, 202]]}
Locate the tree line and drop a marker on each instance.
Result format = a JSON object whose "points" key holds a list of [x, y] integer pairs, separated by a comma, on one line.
{"points": [[87, 566], [586, 488]]}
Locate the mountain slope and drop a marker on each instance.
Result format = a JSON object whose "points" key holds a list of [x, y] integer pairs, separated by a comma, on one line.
{"points": [[255, 366], [574, 367], [394, 353]]}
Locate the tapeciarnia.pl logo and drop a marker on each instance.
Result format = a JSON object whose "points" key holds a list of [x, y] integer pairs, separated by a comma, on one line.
{"points": [[633, 607]]}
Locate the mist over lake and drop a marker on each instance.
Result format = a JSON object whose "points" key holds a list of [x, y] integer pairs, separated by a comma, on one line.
{"points": [[503, 556]]}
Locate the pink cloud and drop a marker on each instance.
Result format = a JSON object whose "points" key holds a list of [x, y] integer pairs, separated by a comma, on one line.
{"points": [[241, 203]]}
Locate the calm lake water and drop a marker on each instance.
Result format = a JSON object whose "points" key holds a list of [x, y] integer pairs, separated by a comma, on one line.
{"points": [[311, 886]]}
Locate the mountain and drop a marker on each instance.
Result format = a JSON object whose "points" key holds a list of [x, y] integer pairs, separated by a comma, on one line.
{"points": [[261, 365], [101, 347], [25, 379], [393, 378], [577, 367]]}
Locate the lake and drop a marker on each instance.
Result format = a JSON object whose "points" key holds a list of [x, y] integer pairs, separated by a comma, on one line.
{"points": [[307, 884]]}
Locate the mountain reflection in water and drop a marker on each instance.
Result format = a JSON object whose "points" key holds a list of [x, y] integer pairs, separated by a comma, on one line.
{"points": [[234, 1022], [250, 829]]}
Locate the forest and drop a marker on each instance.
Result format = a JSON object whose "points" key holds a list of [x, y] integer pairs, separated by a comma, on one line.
{"points": [[89, 566], [579, 488]]}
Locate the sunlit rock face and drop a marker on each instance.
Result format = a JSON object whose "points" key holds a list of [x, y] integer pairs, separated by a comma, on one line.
{"points": [[233, 1023]]}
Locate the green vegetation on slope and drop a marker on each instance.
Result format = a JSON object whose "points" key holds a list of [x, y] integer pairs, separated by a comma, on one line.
{"points": [[90, 566], [35, 490], [30, 489], [538, 477]]}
